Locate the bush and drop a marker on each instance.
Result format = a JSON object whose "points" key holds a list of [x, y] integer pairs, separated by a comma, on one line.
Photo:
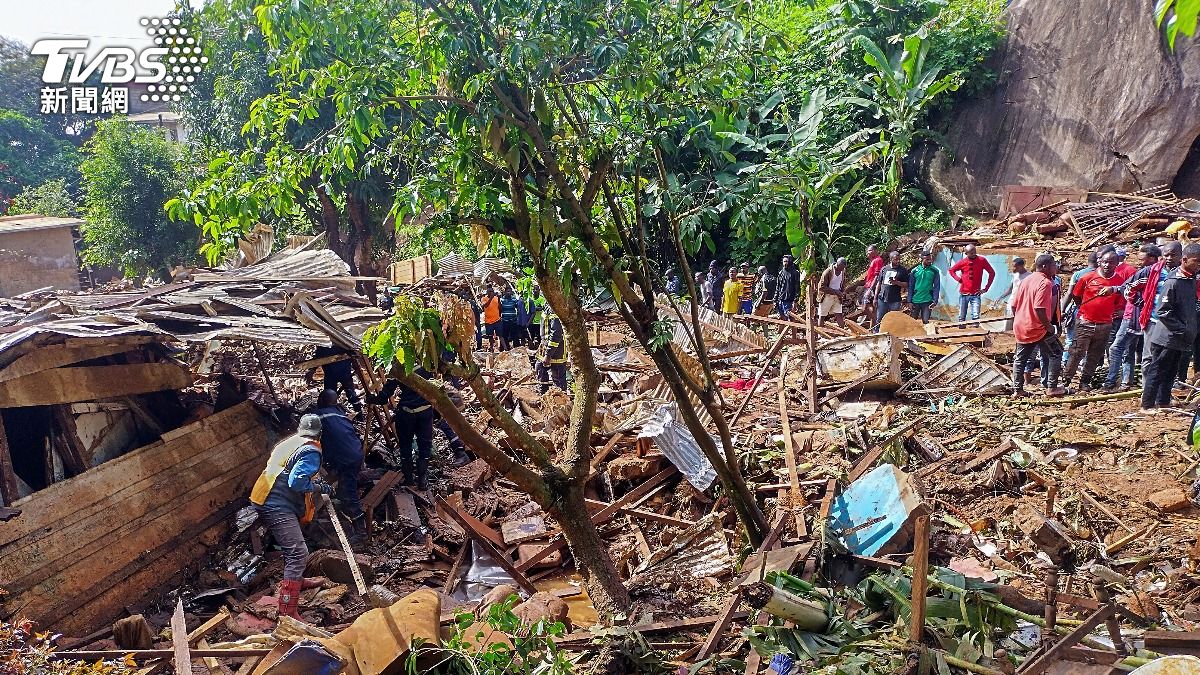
{"points": [[48, 199]]}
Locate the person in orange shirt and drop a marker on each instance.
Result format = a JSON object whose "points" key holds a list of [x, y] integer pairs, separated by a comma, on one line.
{"points": [[1034, 327], [492, 325]]}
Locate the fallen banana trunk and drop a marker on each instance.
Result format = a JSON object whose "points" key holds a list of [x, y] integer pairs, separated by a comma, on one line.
{"points": [[807, 614]]}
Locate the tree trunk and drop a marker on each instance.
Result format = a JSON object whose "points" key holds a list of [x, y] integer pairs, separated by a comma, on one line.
{"points": [[363, 253], [731, 478], [332, 224], [604, 585]]}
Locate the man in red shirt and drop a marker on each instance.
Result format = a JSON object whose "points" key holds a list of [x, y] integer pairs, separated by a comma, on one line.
{"points": [[969, 272], [1034, 328], [1098, 296], [874, 265]]}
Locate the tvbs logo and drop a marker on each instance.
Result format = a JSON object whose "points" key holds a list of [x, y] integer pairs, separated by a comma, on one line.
{"points": [[168, 68]]}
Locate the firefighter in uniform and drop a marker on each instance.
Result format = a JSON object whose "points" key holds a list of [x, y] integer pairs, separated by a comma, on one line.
{"points": [[552, 355], [285, 495]]}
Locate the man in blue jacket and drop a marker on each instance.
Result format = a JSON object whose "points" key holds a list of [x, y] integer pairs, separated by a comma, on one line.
{"points": [[343, 454], [286, 495]]}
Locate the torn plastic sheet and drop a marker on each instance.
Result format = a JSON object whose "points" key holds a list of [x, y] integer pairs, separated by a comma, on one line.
{"points": [[484, 574], [677, 443]]}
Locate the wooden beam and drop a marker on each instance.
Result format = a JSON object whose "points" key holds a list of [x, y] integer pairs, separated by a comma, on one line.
{"points": [[8, 477], [586, 637], [1042, 662], [141, 654], [774, 351], [501, 559], [75, 458], [179, 640], [88, 383], [920, 582], [868, 460], [789, 450], [53, 356]]}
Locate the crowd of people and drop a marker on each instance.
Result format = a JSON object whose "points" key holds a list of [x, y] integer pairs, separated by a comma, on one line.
{"points": [[739, 291]]}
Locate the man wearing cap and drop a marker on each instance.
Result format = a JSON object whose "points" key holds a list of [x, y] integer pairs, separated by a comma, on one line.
{"points": [[342, 451], [285, 496], [829, 293]]}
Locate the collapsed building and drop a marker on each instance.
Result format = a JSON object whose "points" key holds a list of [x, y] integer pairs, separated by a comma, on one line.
{"points": [[926, 517]]}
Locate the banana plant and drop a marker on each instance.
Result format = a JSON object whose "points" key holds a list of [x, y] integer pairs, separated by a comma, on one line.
{"points": [[1177, 16], [898, 92]]}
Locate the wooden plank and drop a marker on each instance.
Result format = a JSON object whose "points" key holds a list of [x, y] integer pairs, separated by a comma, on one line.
{"points": [[8, 477], [53, 356], [920, 582], [142, 654], [75, 583], [76, 538], [88, 383], [102, 487], [604, 515], [179, 642], [74, 457], [789, 450], [1042, 662], [155, 572], [498, 555], [868, 460]]}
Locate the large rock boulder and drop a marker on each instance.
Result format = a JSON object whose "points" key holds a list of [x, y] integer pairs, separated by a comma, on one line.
{"points": [[1088, 95]]}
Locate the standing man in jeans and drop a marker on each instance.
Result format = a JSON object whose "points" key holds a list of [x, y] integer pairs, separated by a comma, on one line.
{"points": [[891, 286], [969, 272], [1034, 327], [926, 287], [1125, 351], [788, 286], [1172, 335], [1097, 295]]}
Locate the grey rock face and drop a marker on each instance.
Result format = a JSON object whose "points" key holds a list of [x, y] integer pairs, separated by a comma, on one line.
{"points": [[1088, 96]]}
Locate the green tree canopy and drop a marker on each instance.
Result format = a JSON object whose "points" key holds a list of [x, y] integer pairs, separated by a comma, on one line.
{"points": [[128, 174], [32, 154]]}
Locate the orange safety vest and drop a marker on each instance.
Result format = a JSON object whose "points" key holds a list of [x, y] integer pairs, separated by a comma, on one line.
{"points": [[282, 456]]}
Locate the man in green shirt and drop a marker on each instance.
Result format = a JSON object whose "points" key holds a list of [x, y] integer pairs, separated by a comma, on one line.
{"points": [[926, 287]]}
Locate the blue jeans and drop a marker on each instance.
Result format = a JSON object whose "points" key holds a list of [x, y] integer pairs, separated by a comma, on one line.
{"points": [[746, 307], [968, 304], [784, 308], [881, 310], [1122, 354]]}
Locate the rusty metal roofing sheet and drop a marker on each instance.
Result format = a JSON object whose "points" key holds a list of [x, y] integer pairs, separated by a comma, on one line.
{"points": [[699, 551], [965, 370]]}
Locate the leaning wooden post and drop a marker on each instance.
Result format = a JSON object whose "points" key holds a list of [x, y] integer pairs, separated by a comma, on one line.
{"points": [[810, 359], [920, 580]]}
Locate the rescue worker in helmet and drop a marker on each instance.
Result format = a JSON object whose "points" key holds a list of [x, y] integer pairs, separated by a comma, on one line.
{"points": [[286, 495]]}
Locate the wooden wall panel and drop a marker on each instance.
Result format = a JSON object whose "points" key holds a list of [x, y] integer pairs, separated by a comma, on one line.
{"points": [[88, 546]]}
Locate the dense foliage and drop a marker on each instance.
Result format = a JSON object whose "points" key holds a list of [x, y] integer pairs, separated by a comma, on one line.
{"points": [[1177, 17], [31, 154], [52, 198], [128, 174]]}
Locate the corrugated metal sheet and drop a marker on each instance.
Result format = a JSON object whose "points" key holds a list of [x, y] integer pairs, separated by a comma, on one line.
{"points": [[699, 551], [486, 267], [318, 264], [454, 265], [965, 370], [679, 446]]}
